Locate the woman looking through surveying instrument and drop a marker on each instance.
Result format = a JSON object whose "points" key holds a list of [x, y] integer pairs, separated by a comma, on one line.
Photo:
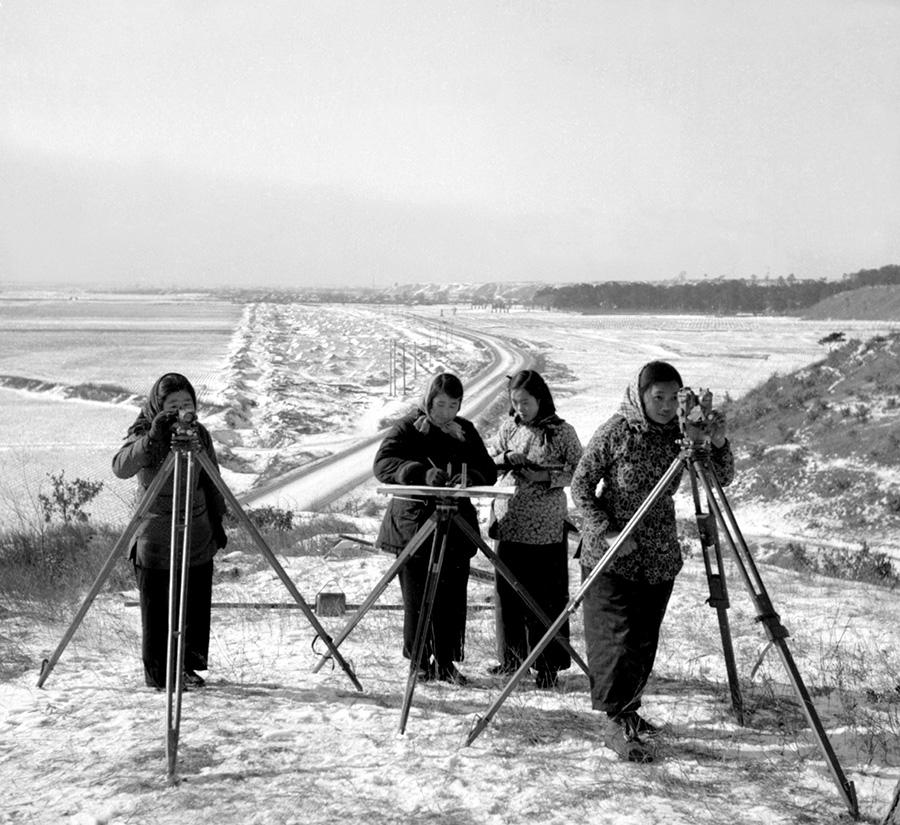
{"points": [[431, 446], [146, 447], [625, 605], [538, 452]]}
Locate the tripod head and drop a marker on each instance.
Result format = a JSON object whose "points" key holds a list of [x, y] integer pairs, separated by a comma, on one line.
{"points": [[696, 416], [185, 431]]}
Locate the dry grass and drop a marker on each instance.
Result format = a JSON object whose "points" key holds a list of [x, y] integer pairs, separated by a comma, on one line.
{"points": [[270, 737]]}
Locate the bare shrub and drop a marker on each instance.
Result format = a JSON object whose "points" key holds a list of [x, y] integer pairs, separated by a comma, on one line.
{"points": [[311, 536], [861, 564], [67, 499], [51, 567], [756, 450]]}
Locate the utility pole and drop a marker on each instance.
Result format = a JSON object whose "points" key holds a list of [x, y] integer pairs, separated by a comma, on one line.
{"points": [[391, 383], [403, 364]]}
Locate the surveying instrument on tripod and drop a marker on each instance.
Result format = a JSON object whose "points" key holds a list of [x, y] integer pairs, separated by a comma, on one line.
{"points": [[185, 460], [696, 420], [444, 518]]}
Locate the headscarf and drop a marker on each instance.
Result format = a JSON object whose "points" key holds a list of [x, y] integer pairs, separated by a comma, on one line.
{"points": [[546, 427], [632, 406], [163, 386], [657, 372], [440, 383]]}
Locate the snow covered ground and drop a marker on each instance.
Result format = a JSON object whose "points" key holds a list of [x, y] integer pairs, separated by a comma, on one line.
{"points": [[280, 385], [270, 742]]}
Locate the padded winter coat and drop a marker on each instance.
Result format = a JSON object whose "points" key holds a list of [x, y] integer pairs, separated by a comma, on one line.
{"points": [[405, 456], [537, 513], [141, 457], [626, 457]]}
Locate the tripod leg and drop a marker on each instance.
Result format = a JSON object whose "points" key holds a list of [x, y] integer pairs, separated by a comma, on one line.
{"points": [[674, 468], [174, 563], [776, 632], [523, 594], [718, 592], [250, 527], [435, 563], [179, 565], [118, 549], [414, 544]]}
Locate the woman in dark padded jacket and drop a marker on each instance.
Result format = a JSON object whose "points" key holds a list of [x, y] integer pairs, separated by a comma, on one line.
{"points": [[430, 446], [147, 444]]}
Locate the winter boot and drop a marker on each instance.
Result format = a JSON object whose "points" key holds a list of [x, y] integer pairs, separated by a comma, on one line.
{"points": [[621, 737]]}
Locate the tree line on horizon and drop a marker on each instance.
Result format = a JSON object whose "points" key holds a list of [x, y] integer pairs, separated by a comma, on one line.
{"points": [[783, 295], [720, 295]]}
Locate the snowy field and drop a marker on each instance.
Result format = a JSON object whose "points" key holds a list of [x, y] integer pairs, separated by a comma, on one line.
{"points": [[598, 355], [282, 385], [270, 742]]}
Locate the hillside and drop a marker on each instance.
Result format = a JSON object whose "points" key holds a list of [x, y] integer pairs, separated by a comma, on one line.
{"points": [[865, 304], [819, 446]]}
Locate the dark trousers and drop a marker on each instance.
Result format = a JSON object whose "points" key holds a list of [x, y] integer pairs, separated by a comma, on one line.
{"points": [[543, 572], [622, 620], [153, 586], [446, 633]]}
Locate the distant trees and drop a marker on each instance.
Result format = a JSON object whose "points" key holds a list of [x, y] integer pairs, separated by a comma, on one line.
{"points": [[726, 296], [874, 277]]}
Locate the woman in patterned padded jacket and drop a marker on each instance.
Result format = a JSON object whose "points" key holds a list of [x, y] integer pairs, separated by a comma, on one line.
{"points": [[539, 452], [625, 605]]}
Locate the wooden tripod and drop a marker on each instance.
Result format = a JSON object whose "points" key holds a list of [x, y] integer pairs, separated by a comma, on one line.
{"points": [[437, 527], [695, 458], [181, 465]]}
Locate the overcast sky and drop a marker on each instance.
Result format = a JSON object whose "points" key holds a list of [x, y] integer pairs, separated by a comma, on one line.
{"points": [[209, 142]]}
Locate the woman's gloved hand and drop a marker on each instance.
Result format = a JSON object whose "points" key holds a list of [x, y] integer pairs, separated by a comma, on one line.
{"points": [[220, 537], [161, 428]]}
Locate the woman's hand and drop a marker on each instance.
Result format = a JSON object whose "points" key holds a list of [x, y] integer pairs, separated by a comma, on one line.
{"points": [[435, 477], [717, 428], [533, 475], [627, 547], [516, 459], [161, 428]]}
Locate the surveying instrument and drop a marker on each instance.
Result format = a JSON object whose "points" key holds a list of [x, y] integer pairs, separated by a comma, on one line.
{"points": [[437, 527], [181, 464], [696, 418]]}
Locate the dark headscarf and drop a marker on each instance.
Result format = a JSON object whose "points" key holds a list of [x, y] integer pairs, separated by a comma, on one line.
{"points": [[657, 372], [164, 386]]}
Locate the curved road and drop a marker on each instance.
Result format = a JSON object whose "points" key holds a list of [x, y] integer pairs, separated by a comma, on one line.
{"points": [[317, 485]]}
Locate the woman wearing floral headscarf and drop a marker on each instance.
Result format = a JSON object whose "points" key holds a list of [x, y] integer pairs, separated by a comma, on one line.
{"points": [[539, 452], [625, 605], [430, 446], [147, 444]]}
